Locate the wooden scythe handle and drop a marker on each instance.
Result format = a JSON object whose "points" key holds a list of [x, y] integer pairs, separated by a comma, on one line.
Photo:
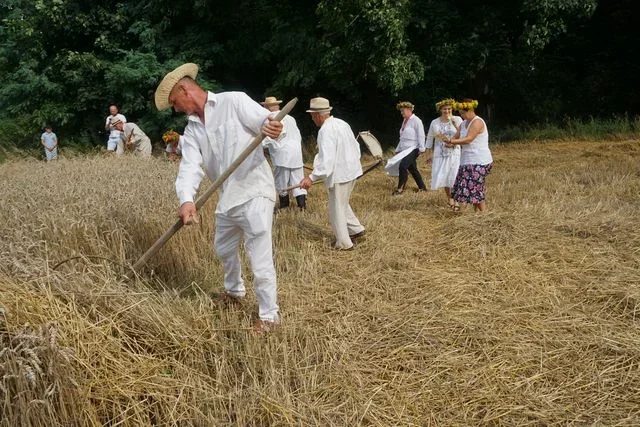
{"points": [[367, 169], [217, 183]]}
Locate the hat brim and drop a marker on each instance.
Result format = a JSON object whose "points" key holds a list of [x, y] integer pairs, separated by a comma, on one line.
{"points": [[169, 81], [319, 110]]}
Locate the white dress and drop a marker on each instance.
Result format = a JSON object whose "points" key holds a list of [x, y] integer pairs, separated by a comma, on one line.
{"points": [[446, 161]]}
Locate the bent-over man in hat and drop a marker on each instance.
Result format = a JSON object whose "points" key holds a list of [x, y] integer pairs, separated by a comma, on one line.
{"points": [[286, 156], [220, 126], [338, 163], [133, 138]]}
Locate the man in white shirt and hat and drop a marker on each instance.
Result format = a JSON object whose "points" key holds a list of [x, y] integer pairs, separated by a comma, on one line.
{"points": [[220, 126], [338, 163], [286, 156]]}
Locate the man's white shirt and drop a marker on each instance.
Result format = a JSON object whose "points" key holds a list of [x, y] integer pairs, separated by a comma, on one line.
{"points": [[286, 151], [338, 158], [232, 120]]}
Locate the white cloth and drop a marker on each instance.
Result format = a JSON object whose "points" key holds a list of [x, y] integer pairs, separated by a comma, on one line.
{"points": [[232, 119], [343, 221], [286, 151], [133, 134], [114, 134], [393, 164], [177, 149], [412, 135], [477, 152], [287, 177], [338, 158], [446, 161], [253, 221]]}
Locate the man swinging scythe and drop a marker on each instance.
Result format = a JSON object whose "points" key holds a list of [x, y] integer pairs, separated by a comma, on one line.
{"points": [[220, 126]]}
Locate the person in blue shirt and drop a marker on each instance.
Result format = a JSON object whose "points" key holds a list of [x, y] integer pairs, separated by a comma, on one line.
{"points": [[49, 141]]}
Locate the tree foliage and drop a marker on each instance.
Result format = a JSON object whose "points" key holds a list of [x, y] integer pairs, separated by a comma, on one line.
{"points": [[64, 61]]}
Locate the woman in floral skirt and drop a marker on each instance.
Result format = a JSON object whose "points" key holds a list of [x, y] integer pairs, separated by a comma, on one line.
{"points": [[475, 156]]}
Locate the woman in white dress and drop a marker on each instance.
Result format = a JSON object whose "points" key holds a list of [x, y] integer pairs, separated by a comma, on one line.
{"points": [[446, 161]]}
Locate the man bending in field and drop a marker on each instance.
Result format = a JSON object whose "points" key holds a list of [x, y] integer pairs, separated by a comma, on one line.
{"points": [[220, 126]]}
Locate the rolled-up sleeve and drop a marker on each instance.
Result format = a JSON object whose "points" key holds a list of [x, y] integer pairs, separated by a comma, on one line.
{"points": [[190, 172]]}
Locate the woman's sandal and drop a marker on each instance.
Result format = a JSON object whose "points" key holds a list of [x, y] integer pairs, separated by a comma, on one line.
{"points": [[455, 207]]}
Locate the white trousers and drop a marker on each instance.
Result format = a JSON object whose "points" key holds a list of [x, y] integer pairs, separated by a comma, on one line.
{"points": [[51, 155], [286, 177], [343, 221], [251, 221], [112, 143]]}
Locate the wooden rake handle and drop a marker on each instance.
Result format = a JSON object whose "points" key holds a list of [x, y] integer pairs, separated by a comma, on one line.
{"points": [[257, 141]]}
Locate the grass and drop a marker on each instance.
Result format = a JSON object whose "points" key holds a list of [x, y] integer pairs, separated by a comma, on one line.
{"points": [[529, 314], [617, 128]]}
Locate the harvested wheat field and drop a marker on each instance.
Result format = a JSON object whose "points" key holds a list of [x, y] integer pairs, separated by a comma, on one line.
{"points": [[526, 315]]}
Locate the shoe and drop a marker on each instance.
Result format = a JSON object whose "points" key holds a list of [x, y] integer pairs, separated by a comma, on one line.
{"points": [[264, 326], [455, 207], [226, 299], [421, 190], [396, 192], [357, 235]]}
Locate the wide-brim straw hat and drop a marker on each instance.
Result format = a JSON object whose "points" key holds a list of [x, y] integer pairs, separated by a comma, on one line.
{"points": [[115, 122], [271, 100], [319, 105], [169, 81]]}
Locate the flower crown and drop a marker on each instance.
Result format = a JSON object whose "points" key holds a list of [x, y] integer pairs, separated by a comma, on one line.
{"points": [[472, 105], [446, 101], [171, 136], [404, 104]]}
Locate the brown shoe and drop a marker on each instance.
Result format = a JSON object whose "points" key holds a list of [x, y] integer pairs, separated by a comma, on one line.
{"points": [[226, 299], [264, 326]]}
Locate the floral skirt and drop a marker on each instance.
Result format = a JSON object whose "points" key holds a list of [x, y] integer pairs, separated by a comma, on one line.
{"points": [[469, 185]]}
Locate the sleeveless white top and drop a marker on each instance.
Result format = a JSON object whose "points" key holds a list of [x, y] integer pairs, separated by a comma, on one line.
{"points": [[477, 152]]}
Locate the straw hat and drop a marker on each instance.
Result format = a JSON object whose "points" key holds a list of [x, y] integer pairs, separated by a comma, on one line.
{"points": [[170, 80], [271, 100], [319, 105], [115, 122]]}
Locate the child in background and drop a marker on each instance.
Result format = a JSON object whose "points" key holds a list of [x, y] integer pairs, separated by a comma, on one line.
{"points": [[49, 141], [174, 144]]}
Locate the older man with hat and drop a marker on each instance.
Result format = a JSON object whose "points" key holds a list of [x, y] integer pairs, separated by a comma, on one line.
{"points": [[220, 126], [132, 137], [338, 163], [286, 156]]}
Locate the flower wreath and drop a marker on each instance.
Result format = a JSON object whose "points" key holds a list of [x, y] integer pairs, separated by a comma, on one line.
{"points": [[466, 105], [446, 101], [171, 137], [404, 104]]}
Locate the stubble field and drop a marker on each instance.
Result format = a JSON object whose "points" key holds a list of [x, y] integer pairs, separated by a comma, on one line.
{"points": [[526, 315]]}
